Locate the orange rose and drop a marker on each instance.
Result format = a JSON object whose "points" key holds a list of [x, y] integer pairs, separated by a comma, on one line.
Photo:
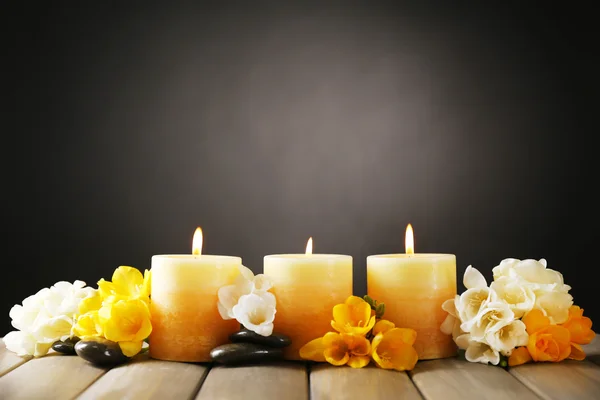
{"points": [[580, 328], [546, 342]]}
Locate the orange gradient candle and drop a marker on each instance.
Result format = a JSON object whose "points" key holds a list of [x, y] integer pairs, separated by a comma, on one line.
{"points": [[186, 324], [307, 286], [413, 287]]}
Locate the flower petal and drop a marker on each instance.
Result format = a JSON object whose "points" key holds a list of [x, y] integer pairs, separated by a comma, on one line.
{"points": [[450, 306], [313, 350], [403, 357], [341, 316], [245, 277], [404, 335], [129, 280], [360, 310], [261, 283], [256, 312], [229, 296], [447, 326], [382, 326], [519, 356], [575, 311], [535, 320], [336, 356], [130, 349], [21, 343], [359, 361], [358, 345], [577, 352], [336, 349], [473, 279]]}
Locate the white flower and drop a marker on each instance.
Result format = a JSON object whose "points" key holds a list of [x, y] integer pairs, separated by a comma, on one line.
{"points": [[505, 268], [493, 316], [518, 295], [256, 311], [508, 337], [555, 305], [471, 301], [45, 317], [24, 344], [551, 293], [478, 351], [533, 273], [249, 302], [245, 283], [451, 325]]}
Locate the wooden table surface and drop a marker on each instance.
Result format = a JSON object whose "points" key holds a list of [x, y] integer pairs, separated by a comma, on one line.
{"points": [[70, 377]]}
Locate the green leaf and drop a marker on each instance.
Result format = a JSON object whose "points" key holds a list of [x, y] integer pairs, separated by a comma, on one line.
{"points": [[379, 310], [369, 300]]}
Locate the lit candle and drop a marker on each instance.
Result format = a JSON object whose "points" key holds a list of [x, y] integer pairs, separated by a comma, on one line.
{"points": [[413, 288], [307, 286], [186, 324]]}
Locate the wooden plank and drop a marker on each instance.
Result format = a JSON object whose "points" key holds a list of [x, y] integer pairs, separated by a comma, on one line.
{"points": [[53, 376], [592, 351], [451, 378], [9, 360], [146, 378], [285, 380], [565, 380], [372, 383]]}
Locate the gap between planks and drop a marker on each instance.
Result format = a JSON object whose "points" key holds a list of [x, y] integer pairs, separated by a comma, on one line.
{"points": [[454, 379], [9, 360], [283, 380], [565, 380], [146, 378], [370, 382], [53, 376]]}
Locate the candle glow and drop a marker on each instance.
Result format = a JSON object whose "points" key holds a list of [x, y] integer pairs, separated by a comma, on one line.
{"points": [[309, 246], [409, 240], [197, 242]]}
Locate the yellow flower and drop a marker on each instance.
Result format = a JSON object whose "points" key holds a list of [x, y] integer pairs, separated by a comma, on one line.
{"points": [[313, 350], [126, 322], [127, 283], [580, 328], [392, 348], [519, 356], [87, 325], [546, 342], [339, 349], [382, 326], [92, 303], [354, 316]]}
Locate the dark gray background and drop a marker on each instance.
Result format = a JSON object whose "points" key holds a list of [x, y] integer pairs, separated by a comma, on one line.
{"points": [[126, 128]]}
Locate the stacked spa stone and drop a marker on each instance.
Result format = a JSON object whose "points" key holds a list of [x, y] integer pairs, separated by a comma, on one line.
{"points": [[249, 347], [98, 350]]}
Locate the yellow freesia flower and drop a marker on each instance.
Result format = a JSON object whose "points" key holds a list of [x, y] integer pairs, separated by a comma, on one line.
{"points": [[339, 349], [127, 283], [87, 325], [382, 326], [354, 316], [126, 322], [92, 303], [393, 348], [313, 350]]}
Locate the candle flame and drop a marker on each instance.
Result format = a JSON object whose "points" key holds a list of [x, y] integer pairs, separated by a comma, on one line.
{"points": [[197, 242], [309, 246], [409, 240]]}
